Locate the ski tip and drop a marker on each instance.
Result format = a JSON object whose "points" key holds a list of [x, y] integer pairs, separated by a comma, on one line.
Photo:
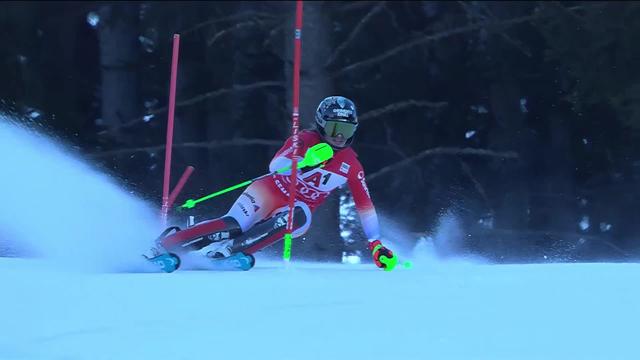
{"points": [[177, 260], [168, 262]]}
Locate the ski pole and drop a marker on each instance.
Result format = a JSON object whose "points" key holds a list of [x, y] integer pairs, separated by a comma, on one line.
{"points": [[315, 155]]}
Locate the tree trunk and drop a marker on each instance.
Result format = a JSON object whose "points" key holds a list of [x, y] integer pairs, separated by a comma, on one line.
{"points": [[509, 134], [119, 57], [558, 184]]}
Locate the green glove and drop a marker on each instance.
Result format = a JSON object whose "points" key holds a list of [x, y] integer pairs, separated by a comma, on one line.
{"points": [[382, 257], [316, 155]]}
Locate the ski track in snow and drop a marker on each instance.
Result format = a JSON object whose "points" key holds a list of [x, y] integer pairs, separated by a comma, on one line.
{"points": [[86, 294]]}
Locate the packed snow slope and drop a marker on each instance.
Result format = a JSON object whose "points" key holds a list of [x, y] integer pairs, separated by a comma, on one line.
{"points": [[322, 311], [79, 290]]}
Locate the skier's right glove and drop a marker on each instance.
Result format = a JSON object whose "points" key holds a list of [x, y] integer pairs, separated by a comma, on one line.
{"points": [[382, 257], [317, 155]]}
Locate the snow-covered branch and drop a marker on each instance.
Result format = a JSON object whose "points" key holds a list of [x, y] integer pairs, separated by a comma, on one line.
{"points": [[401, 105], [467, 170], [443, 151], [376, 9], [214, 144], [234, 27], [198, 98], [241, 15], [442, 35], [234, 88], [354, 5], [420, 41], [390, 143], [393, 18], [398, 150], [487, 18]]}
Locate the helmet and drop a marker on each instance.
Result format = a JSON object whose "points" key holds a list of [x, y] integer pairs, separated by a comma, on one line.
{"points": [[337, 115]]}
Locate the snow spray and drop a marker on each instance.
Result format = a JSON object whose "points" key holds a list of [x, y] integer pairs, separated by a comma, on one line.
{"points": [[58, 207]]}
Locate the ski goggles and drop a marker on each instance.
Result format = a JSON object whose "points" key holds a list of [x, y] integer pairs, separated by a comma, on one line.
{"points": [[333, 128]]}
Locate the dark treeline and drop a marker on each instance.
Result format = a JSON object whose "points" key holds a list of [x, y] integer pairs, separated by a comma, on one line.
{"points": [[518, 118]]}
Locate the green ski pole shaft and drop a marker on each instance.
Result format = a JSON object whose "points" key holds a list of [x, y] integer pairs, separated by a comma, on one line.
{"points": [[191, 203], [314, 156]]}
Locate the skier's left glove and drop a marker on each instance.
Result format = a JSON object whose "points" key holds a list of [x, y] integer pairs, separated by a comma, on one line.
{"points": [[382, 257]]}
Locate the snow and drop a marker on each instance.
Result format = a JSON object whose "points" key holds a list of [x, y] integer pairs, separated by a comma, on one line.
{"points": [[584, 223], [93, 19], [523, 105], [480, 109], [81, 291], [322, 311], [58, 206], [604, 227]]}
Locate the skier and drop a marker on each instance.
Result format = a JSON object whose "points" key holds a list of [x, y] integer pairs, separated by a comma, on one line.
{"points": [[258, 217]]}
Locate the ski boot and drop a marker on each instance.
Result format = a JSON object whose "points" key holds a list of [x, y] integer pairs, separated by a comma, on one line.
{"points": [[168, 261], [223, 258]]}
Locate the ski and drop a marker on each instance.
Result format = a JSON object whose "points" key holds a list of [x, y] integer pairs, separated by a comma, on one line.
{"points": [[237, 261], [168, 262]]}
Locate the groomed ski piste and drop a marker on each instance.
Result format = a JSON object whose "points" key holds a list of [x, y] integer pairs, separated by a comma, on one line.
{"points": [[84, 293]]}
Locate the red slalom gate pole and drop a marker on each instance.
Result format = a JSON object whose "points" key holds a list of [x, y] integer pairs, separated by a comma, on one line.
{"points": [[176, 191], [286, 254], [169, 144]]}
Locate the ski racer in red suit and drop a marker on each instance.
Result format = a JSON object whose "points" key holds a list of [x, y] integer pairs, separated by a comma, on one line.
{"points": [[258, 217]]}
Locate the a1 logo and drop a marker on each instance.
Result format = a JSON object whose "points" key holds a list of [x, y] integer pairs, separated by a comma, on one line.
{"points": [[316, 178]]}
